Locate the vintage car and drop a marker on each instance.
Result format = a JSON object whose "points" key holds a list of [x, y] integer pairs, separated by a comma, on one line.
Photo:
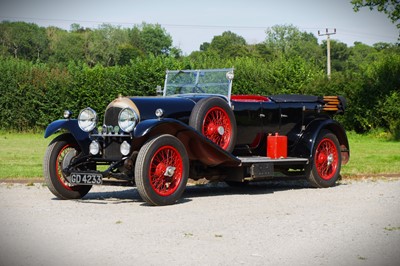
{"points": [[196, 129]]}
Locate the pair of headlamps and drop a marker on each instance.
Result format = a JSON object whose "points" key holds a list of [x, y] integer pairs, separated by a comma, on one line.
{"points": [[127, 119], [95, 147]]}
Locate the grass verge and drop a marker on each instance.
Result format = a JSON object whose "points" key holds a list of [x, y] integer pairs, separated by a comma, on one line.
{"points": [[371, 155], [21, 155]]}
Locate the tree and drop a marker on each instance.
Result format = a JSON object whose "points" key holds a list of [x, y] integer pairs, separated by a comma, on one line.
{"points": [[65, 46], [229, 44], [360, 57], [226, 45], [105, 44], [135, 39], [227, 38], [155, 40], [127, 52], [75, 27], [23, 40], [289, 41], [204, 46], [390, 7]]}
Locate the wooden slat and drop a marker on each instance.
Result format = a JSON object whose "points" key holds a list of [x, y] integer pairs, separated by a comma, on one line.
{"points": [[331, 109], [332, 102], [331, 97], [330, 106]]}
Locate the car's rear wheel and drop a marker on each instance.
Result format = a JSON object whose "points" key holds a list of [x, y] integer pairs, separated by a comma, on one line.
{"points": [[161, 170], [324, 171], [59, 154], [215, 120]]}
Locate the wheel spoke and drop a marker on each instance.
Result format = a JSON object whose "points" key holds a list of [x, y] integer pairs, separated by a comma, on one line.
{"points": [[326, 159], [217, 127], [60, 165], [162, 183]]}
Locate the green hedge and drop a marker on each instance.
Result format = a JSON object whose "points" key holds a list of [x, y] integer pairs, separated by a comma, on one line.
{"points": [[33, 95]]}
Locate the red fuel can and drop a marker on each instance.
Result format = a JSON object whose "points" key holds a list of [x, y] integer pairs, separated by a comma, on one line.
{"points": [[276, 146]]}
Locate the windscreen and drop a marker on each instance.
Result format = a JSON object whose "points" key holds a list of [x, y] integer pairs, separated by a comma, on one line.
{"points": [[211, 81]]}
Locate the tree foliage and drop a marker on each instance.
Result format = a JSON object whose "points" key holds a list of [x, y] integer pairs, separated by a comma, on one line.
{"points": [[289, 41], [228, 44], [155, 40], [106, 45], [23, 40]]}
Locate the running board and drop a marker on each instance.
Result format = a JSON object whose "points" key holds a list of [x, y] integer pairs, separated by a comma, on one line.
{"points": [[259, 159], [261, 167]]}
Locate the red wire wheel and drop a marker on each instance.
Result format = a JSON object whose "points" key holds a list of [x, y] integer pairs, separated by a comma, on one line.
{"points": [[326, 159], [162, 170], [324, 171], [217, 127], [214, 118], [166, 170], [63, 155], [59, 155]]}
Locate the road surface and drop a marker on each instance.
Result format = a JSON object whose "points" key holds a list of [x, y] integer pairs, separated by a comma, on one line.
{"points": [[272, 223]]}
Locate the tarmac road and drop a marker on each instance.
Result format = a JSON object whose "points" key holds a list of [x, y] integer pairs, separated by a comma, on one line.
{"points": [[273, 223]]}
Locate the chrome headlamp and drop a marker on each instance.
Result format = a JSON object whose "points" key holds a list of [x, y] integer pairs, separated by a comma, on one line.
{"points": [[87, 119], [127, 119]]}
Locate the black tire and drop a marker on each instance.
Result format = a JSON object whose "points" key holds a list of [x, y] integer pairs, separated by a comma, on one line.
{"points": [[162, 170], [59, 152], [324, 169], [214, 118]]}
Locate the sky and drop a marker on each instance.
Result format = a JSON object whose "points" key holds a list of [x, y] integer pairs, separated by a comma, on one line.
{"points": [[190, 22]]}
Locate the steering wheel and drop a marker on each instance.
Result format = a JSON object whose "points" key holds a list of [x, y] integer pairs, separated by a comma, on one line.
{"points": [[197, 88]]}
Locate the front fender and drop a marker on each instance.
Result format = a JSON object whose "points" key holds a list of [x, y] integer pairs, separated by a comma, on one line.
{"points": [[70, 125], [199, 148], [305, 146]]}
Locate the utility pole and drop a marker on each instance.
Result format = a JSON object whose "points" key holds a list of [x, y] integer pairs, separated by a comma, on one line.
{"points": [[328, 50]]}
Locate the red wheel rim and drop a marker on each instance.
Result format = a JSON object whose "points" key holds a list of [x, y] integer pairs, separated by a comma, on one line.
{"points": [[326, 159], [166, 170], [59, 166], [217, 127]]}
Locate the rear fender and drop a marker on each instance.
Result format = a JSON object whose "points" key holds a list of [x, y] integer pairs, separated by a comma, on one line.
{"points": [[70, 125], [198, 147], [306, 144]]}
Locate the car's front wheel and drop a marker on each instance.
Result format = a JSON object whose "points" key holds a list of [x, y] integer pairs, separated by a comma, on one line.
{"points": [[324, 170], [59, 154], [161, 170]]}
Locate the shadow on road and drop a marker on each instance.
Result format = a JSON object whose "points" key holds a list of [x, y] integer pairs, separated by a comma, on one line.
{"points": [[130, 194]]}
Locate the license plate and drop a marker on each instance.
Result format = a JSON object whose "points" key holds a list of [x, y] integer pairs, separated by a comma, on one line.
{"points": [[86, 179]]}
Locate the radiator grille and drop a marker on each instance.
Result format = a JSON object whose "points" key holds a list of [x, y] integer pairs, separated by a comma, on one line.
{"points": [[111, 116]]}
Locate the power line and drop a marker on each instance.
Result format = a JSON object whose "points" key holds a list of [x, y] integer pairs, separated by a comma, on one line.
{"points": [[344, 31], [135, 23], [172, 25]]}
